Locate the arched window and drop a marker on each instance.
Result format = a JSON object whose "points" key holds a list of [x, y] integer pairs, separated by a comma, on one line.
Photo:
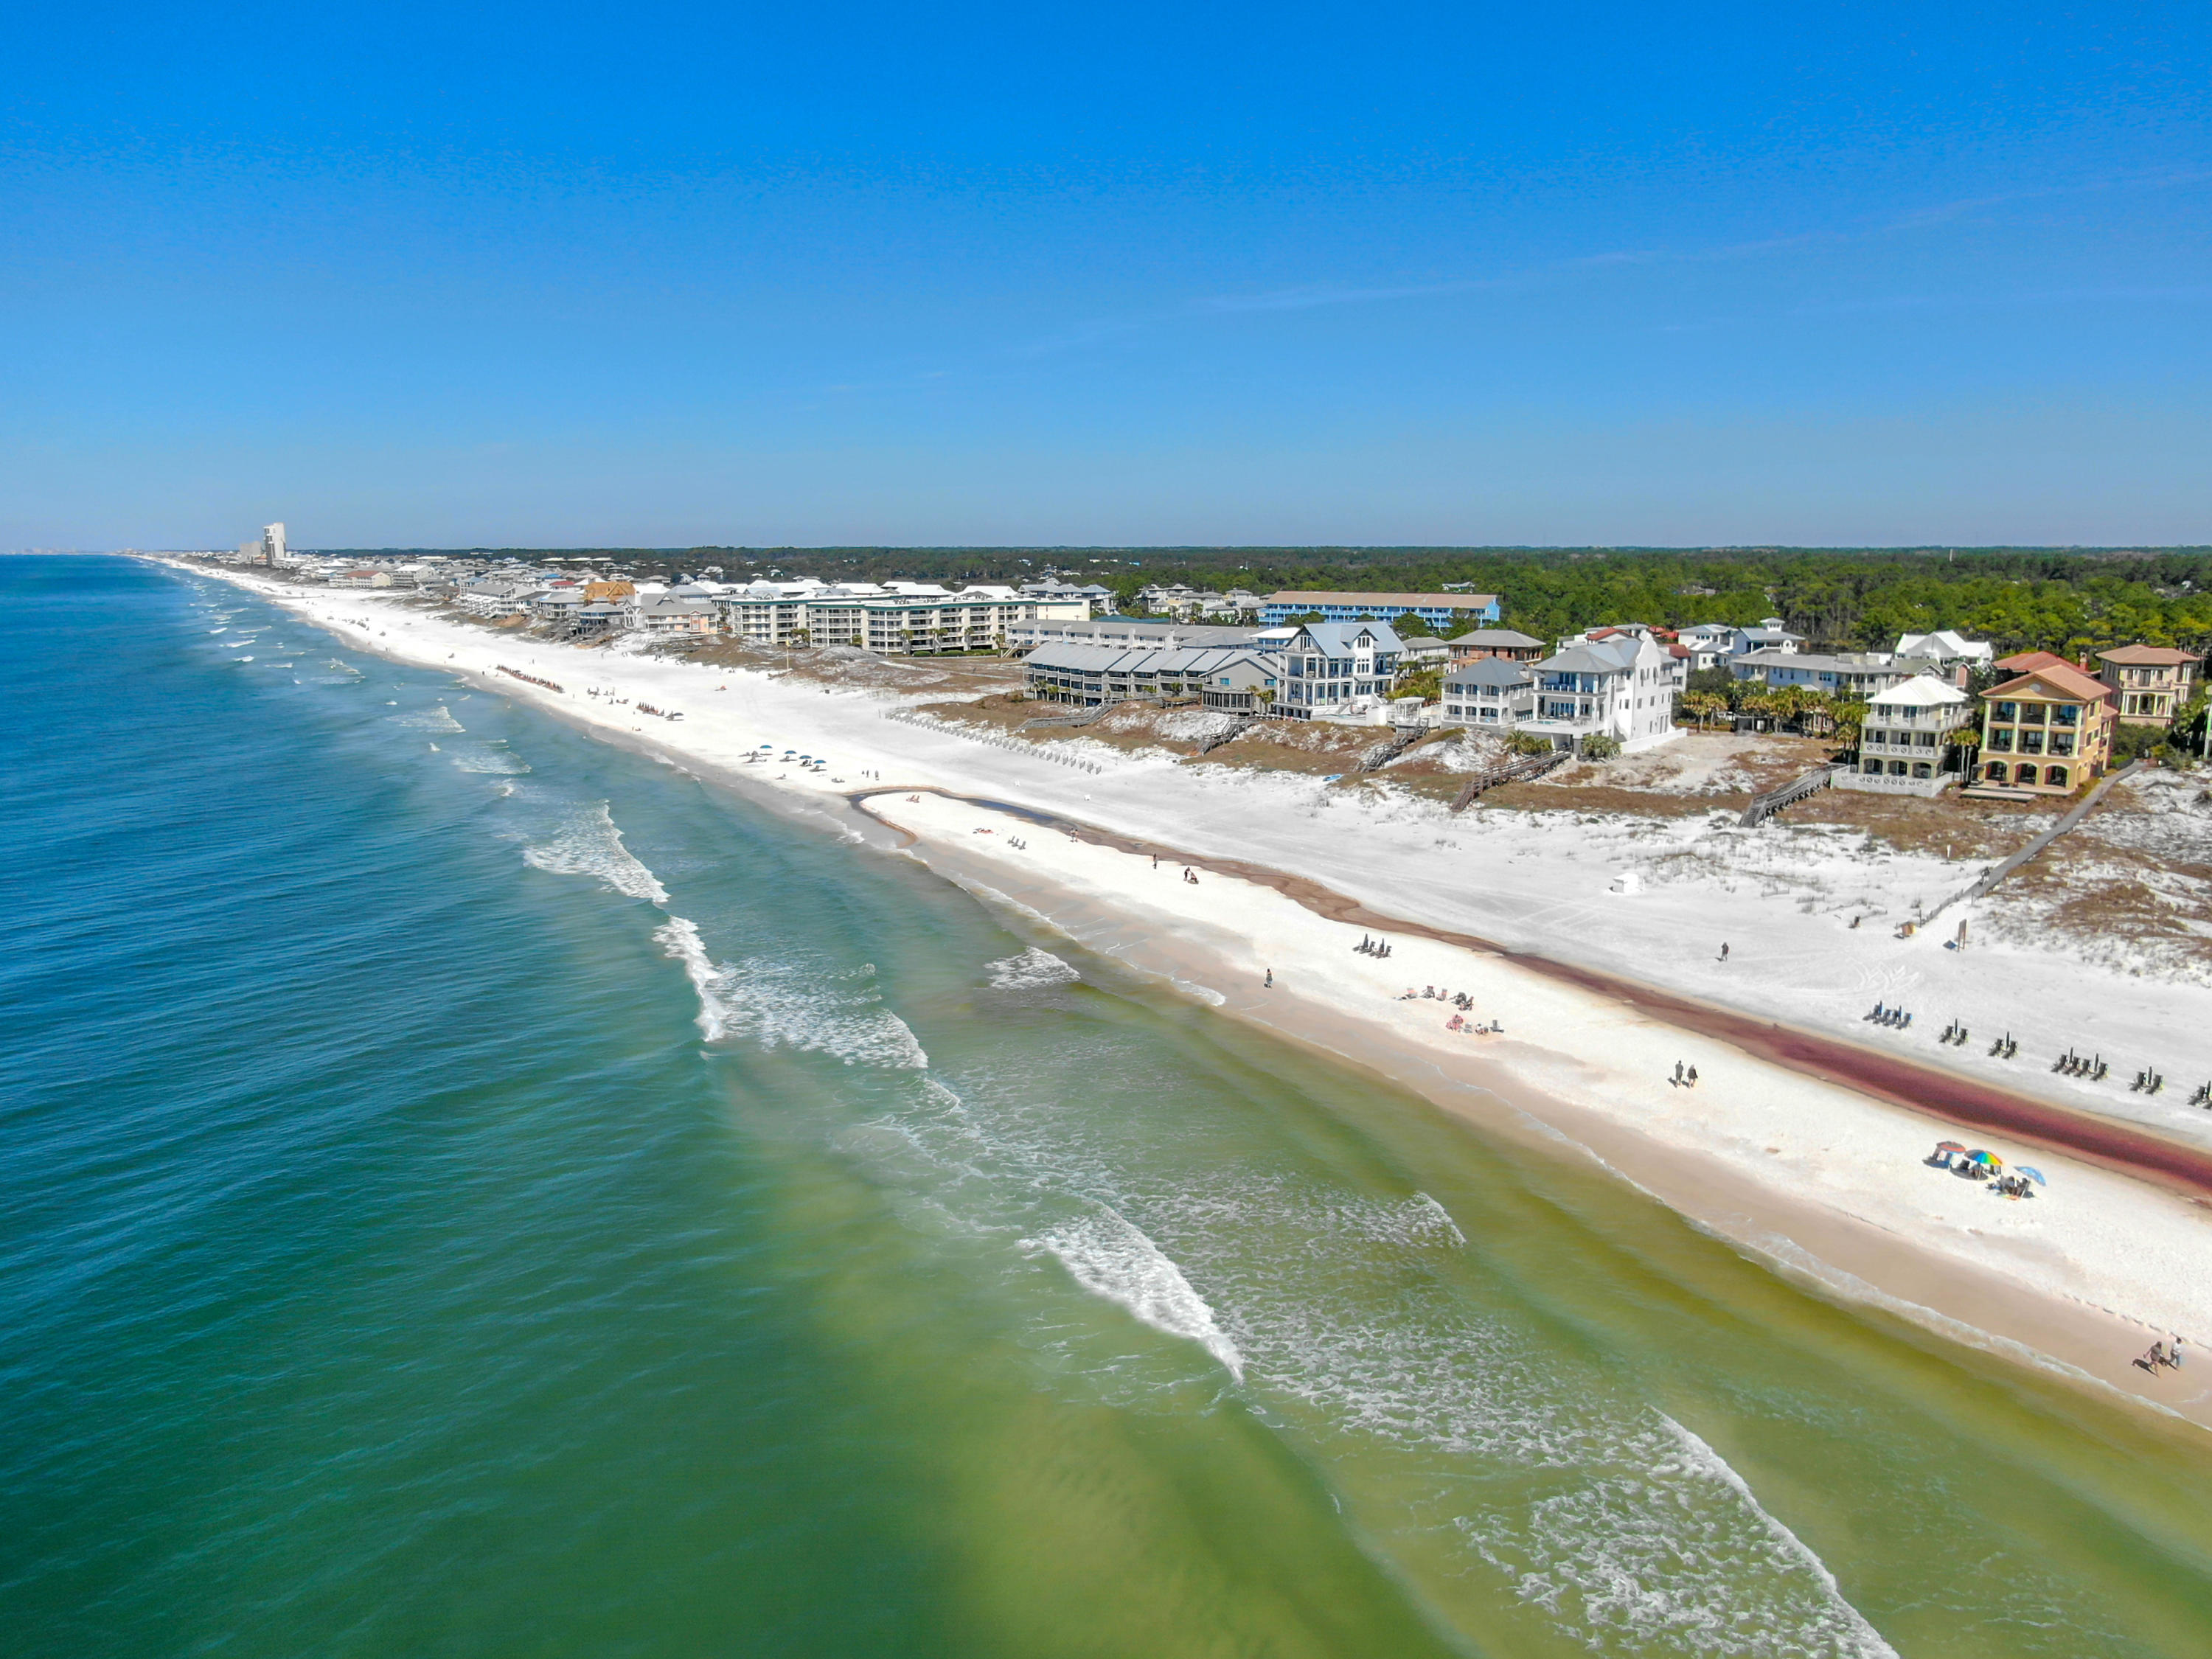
{"points": [[2025, 775], [2056, 774], [1995, 771], [1872, 768], [1897, 768], [1921, 770]]}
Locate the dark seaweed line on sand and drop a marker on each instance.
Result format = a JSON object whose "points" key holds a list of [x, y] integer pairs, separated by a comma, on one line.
{"points": [[1905, 1083]]}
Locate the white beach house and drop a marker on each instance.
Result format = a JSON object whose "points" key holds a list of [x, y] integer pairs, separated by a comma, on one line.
{"points": [[1621, 688], [1902, 746]]}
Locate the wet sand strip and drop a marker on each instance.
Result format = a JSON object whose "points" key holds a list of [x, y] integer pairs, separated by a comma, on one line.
{"points": [[1942, 1097]]}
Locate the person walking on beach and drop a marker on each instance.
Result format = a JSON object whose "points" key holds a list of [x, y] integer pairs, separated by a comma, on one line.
{"points": [[1724, 950], [1268, 983], [1678, 1074], [1692, 1080]]}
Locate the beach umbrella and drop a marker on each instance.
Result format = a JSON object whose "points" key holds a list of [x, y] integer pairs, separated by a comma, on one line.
{"points": [[2036, 1175], [1989, 1160], [1949, 1146]]}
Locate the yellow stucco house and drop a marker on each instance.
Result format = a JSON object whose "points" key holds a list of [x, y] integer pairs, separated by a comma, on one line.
{"points": [[2050, 730]]}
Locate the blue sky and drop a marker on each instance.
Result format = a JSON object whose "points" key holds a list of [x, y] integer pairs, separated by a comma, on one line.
{"points": [[656, 274]]}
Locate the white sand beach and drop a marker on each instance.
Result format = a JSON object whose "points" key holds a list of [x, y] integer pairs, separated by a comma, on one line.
{"points": [[1818, 1178]]}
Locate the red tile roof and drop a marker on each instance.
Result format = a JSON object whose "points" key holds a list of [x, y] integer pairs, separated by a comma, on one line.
{"points": [[2061, 677], [2143, 655]]}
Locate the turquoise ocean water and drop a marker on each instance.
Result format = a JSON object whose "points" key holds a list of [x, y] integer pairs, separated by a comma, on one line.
{"points": [[467, 1190]]}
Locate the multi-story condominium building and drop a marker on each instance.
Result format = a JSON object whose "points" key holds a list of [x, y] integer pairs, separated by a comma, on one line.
{"points": [[2150, 683], [1622, 688], [1093, 674], [1859, 674], [1445, 612], [495, 597], [1494, 693], [898, 617], [1126, 632], [1496, 643], [1902, 747], [2046, 730], [1327, 667], [1096, 600]]}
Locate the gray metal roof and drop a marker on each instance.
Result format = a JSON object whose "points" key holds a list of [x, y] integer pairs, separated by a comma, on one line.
{"points": [[1490, 671], [1496, 639], [1600, 657]]}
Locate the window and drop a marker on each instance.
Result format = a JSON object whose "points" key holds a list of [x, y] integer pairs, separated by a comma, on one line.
{"points": [[1897, 768], [1924, 739], [1921, 770], [2001, 740], [2066, 713], [2056, 776], [1872, 768], [1994, 771], [2062, 742], [2024, 774], [2031, 713], [2030, 742], [2007, 712]]}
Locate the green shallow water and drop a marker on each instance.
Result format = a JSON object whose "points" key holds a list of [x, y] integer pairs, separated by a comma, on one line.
{"points": [[470, 1190]]}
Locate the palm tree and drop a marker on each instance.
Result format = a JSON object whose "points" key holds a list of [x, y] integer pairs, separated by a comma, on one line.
{"points": [[1704, 705]]}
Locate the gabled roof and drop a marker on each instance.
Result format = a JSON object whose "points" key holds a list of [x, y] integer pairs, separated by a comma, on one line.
{"points": [[1490, 671], [2027, 662], [1943, 642], [1336, 639], [2061, 677], [1611, 656], [1495, 639], [1921, 691], [2146, 656]]}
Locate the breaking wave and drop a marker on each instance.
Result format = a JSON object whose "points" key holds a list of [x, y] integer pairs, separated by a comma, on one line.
{"points": [[1033, 970], [497, 761], [435, 719], [1111, 1257], [679, 939], [779, 1004], [589, 844]]}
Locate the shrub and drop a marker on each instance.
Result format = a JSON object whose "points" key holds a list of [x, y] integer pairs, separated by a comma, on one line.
{"points": [[1599, 746]]}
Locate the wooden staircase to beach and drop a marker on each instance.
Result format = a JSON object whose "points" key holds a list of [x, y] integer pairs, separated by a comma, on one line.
{"points": [[1519, 769]]}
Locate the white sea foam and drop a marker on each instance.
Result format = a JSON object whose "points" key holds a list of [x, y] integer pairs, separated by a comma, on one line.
{"points": [[782, 1005], [1111, 1257], [1033, 970], [435, 719], [495, 761], [589, 844], [679, 938]]}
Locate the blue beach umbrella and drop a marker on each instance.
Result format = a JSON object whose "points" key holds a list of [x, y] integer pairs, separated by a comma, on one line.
{"points": [[2036, 1175]]}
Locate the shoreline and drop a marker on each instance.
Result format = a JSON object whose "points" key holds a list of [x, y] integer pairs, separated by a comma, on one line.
{"points": [[1848, 1255], [2125, 1149], [2019, 1295]]}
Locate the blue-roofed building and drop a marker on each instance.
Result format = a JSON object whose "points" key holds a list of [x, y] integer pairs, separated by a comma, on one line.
{"points": [[1447, 613]]}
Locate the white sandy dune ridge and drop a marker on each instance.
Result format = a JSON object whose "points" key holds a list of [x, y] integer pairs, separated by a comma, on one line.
{"points": [[1535, 882]]}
